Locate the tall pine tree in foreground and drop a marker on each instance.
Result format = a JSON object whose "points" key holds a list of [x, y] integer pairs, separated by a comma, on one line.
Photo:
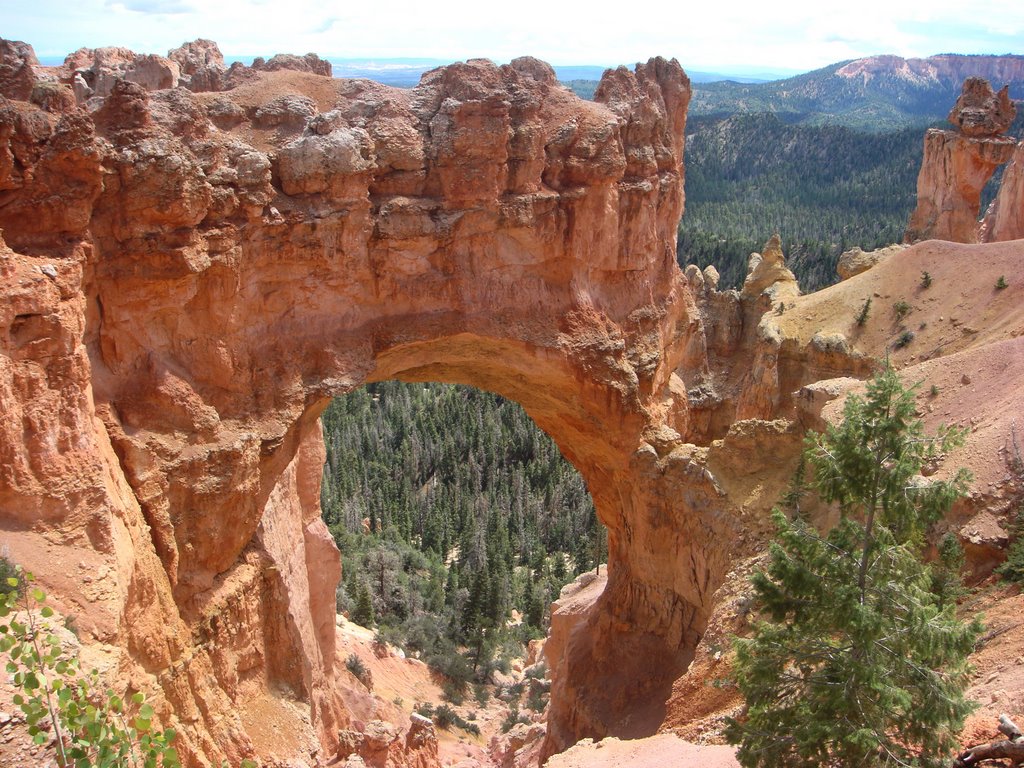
{"points": [[855, 661]]}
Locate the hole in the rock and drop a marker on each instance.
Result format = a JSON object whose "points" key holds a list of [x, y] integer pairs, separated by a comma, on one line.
{"points": [[458, 521], [990, 190]]}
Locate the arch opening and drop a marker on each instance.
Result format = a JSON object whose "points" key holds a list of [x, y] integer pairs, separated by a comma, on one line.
{"points": [[458, 521]]}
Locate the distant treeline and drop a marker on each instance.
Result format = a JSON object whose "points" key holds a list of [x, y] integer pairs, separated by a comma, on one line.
{"points": [[824, 189]]}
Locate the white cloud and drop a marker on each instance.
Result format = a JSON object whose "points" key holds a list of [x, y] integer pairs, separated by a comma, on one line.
{"points": [[800, 35]]}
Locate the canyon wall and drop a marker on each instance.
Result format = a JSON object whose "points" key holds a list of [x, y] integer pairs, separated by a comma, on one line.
{"points": [[189, 277], [190, 274]]}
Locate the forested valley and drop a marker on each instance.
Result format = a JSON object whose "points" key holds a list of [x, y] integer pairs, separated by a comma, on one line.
{"points": [[458, 521], [823, 188]]}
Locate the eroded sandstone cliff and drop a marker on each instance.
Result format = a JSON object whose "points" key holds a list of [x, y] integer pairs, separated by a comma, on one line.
{"points": [[189, 276], [957, 164]]}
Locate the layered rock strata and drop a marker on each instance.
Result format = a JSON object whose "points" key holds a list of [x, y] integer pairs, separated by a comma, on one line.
{"points": [[192, 276], [189, 277], [957, 165]]}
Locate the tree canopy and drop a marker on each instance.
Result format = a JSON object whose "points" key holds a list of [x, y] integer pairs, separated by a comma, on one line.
{"points": [[855, 660]]}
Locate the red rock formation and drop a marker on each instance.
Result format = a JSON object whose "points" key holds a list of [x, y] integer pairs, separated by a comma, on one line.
{"points": [[180, 303], [957, 165], [1005, 217], [201, 65], [487, 227], [16, 76], [981, 112], [308, 63]]}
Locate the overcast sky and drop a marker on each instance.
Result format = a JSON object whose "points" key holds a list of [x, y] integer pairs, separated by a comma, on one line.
{"points": [[709, 35]]}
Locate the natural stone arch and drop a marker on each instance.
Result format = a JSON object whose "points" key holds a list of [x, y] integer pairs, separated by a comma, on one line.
{"points": [[218, 285]]}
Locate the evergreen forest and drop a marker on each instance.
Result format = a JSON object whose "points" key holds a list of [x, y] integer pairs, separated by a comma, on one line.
{"points": [[824, 189], [457, 518]]}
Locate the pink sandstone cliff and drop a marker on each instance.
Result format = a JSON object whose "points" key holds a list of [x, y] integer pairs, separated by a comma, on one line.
{"points": [[957, 164]]}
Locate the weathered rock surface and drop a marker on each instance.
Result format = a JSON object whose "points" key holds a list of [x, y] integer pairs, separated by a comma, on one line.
{"points": [[201, 66], [1005, 217], [767, 273], [308, 63], [487, 227], [857, 260], [981, 112], [16, 76], [188, 278], [957, 165]]}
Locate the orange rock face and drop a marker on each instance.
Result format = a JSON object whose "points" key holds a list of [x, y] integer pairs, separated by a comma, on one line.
{"points": [[957, 165], [212, 289], [189, 277], [1005, 217]]}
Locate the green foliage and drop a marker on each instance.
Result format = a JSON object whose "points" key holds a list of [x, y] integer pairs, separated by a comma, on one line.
{"points": [[362, 613], [8, 571], [482, 694], [1001, 283], [91, 727], [537, 699], [904, 339], [946, 583], [854, 661], [926, 280], [513, 718], [471, 511], [1012, 569], [883, 102], [447, 718], [824, 189], [865, 310], [356, 666], [901, 309]]}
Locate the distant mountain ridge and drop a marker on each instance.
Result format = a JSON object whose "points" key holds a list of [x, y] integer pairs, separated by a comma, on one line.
{"points": [[875, 93]]}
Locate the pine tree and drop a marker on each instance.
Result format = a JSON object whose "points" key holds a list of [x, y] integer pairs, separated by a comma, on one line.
{"points": [[362, 614], [946, 583], [855, 663]]}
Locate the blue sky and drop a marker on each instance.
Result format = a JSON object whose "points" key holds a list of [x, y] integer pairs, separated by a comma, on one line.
{"points": [[732, 36]]}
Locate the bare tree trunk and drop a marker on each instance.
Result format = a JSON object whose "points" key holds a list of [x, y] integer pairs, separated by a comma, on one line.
{"points": [[1012, 748]]}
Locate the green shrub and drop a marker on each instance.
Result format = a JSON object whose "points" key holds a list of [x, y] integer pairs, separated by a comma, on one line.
{"points": [[355, 665], [858, 657], [8, 571], [536, 700], [512, 719], [901, 309], [865, 310], [445, 717], [926, 280], [482, 694], [65, 708], [1001, 283], [904, 339]]}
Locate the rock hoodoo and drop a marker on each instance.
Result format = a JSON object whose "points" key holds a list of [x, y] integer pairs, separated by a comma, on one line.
{"points": [[957, 165]]}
